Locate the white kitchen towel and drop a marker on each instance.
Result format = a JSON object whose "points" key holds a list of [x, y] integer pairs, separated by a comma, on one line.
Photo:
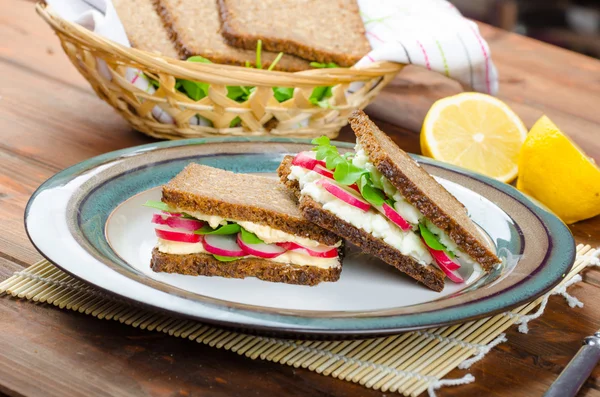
{"points": [[429, 33]]}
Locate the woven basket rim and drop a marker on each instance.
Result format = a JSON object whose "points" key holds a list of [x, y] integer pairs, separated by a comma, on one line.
{"points": [[214, 73]]}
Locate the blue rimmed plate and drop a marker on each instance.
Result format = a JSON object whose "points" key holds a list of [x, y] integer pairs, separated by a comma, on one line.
{"points": [[89, 221]]}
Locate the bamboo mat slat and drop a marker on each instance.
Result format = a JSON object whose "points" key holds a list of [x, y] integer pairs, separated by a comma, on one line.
{"points": [[408, 363]]}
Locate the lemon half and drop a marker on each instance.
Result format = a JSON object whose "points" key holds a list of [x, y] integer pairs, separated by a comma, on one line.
{"points": [[556, 172], [475, 131]]}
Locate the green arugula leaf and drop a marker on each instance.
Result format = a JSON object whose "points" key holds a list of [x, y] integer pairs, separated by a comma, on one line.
{"points": [[198, 58], [323, 65], [322, 140], [230, 228], [430, 239], [159, 205], [250, 238], [239, 93], [282, 94], [152, 82], [347, 173], [320, 95], [333, 160], [390, 202], [227, 258], [235, 122], [324, 151], [195, 90], [370, 193]]}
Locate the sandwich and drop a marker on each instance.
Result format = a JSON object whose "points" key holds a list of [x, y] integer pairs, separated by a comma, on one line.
{"points": [[382, 201], [212, 222]]}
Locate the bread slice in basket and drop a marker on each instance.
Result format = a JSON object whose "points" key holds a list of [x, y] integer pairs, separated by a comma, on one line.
{"points": [[317, 30], [194, 26], [144, 27]]}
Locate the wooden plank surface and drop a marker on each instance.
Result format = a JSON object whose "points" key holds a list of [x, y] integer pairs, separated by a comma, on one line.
{"points": [[51, 119]]}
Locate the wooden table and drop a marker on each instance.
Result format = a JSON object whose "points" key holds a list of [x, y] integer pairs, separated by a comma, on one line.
{"points": [[50, 119]]}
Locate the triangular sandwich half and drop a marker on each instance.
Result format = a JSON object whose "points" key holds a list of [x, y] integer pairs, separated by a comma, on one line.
{"points": [[382, 201], [213, 222]]}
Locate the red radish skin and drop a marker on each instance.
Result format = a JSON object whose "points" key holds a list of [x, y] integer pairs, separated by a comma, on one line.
{"points": [[305, 160], [395, 217], [321, 251], [344, 195], [442, 257], [267, 251], [177, 222], [179, 237], [222, 244], [329, 174], [176, 214], [443, 262], [323, 171]]}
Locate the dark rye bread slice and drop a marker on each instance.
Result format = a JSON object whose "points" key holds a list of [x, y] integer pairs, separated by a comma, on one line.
{"points": [[145, 30], [207, 265], [194, 27], [241, 197], [421, 190], [316, 30], [429, 275]]}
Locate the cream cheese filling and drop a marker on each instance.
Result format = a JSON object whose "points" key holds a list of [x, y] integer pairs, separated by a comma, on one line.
{"points": [[371, 221], [266, 233], [408, 211], [289, 257]]}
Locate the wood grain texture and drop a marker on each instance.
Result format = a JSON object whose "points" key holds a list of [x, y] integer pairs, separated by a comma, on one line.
{"points": [[51, 119]]}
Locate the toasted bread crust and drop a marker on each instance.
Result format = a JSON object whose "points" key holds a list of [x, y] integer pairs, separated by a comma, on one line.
{"points": [[421, 190], [241, 197], [207, 265], [242, 31], [213, 45], [429, 275]]}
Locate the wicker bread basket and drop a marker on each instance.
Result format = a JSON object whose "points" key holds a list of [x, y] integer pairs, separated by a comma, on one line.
{"points": [[167, 113]]}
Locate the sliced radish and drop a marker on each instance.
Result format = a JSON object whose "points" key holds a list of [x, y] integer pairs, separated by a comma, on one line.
{"points": [[177, 222], [447, 265], [261, 250], [344, 195], [319, 169], [222, 244], [306, 160], [329, 174], [176, 214], [321, 251], [442, 257], [178, 236], [395, 217]]}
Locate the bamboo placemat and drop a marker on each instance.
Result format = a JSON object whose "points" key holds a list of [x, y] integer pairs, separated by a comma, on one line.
{"points": [[408, 363]]}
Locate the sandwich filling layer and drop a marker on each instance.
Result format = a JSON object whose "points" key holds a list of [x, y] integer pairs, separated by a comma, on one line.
{"points": [[371, 221], [266, 233], [288, 257], [182, 232]]}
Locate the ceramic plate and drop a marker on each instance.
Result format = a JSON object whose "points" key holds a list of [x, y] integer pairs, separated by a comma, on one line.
{"points": [[90, 222]]}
